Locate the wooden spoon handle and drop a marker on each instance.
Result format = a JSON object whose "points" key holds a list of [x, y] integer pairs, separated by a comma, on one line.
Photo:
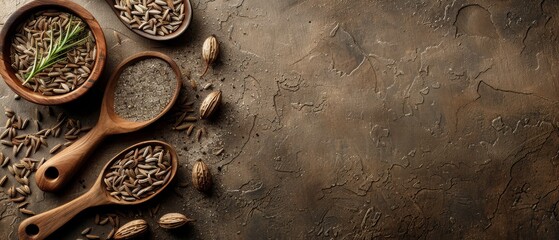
{"points": [[42, 225], [58, 170]]}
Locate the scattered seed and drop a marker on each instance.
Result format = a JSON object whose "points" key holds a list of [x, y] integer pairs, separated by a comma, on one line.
{"points": [[25, 123], [55, 148], [179, 120], [28, 152], [15, 150], [219, 151], [18, 199], [6, 162], [26, 211], [183, 126], [9, 112], [86, 231], [72, 137], [61, 116], [189, 131], [104, 221], [38, 115], [91, 236], [22, 205], [20, 191], [5, 133], [41, 162], [111, 234], [191, 119], [199, 135], [3, 180], [11, 192], [23, 180], [7, 143], [111, 220], [26, 189]]}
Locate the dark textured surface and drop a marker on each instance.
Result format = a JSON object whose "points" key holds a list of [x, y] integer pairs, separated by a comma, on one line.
{"points": [[351, 120]]}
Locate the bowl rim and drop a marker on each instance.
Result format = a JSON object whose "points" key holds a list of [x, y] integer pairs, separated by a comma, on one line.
{"points": [[7, 33]]}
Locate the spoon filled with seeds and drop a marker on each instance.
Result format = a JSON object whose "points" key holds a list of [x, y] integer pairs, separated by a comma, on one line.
{"points": [[154, 19], [133, 176], [141, 90]]}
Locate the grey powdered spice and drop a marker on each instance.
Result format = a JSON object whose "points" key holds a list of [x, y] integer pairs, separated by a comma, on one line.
{"points": [[143, 89]]}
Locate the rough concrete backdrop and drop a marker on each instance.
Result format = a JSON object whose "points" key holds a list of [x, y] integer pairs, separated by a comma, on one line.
{"points": [[347, 119]]}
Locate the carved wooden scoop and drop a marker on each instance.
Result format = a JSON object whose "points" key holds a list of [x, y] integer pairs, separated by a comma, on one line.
{"points": [[58, 170], [42, 225]]}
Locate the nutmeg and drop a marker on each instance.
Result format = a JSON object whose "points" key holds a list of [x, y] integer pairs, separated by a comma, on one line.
{"points": [[201, 176], [210, 50], [210, 104], [131, 229], [173, 220]]}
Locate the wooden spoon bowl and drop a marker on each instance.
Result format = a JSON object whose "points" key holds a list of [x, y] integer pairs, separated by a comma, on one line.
{"points": [[176, 33], [9, 29], [42, 225], [56, 172]]}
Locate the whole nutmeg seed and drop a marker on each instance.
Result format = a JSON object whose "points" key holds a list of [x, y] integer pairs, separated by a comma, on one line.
{"points": [[210, 50], [210, 104], [201, 176], [173, 220], [131, 229]]}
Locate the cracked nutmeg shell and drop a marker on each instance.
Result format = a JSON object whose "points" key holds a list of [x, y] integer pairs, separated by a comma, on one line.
{"points": [[201, 176], [173, 220], [210, 50], [131, 229], [210, 104]]}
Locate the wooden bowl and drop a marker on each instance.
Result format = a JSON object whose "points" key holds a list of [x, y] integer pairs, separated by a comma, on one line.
{"points": [[8, 31], [179, 31]]}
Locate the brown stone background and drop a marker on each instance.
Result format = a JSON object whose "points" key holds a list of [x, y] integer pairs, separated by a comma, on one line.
{"points": [[348, 119]]}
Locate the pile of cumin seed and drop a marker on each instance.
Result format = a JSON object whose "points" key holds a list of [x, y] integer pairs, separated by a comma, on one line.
{"points": [[33, 38]]}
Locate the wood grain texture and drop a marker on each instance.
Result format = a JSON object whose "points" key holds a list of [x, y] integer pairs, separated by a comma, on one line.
{"points": [[178, 32], [49, 221], [68, 161], [9, 29]]}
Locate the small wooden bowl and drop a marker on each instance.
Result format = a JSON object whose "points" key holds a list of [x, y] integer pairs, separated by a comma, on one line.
{"points": [[179, 31], [8, 31]]}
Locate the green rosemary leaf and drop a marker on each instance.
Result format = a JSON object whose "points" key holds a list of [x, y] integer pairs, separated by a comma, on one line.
{"points": [[66, 40]]}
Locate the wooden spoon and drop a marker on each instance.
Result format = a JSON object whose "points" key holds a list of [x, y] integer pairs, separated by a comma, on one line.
{"points": [[58, 170], [185, 22], [42, 225]]}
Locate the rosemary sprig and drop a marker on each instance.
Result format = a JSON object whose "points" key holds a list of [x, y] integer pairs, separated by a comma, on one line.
{"points": [[67, 39]]}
